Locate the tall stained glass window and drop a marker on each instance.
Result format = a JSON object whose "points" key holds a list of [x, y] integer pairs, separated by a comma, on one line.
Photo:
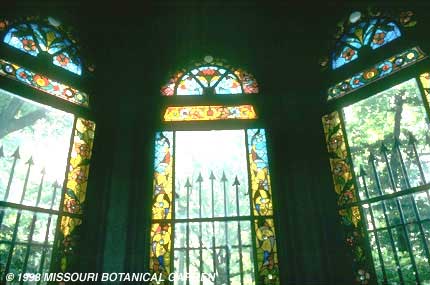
{"points": [[212, 213], [46, 139], [377, 135]]}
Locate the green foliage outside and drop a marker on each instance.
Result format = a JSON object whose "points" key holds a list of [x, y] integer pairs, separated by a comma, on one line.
{"points": [[43, 134], [384, 118]]}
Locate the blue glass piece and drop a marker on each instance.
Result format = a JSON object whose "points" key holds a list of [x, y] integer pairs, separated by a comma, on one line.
{"points": [[229, 85], [369, 32], [49, 39], [163, 144], [374, 33], [21, 38], [356, 81], [65, 61], [352, 41], [347, 55], [383, 36], [257, 143], [189, 86], [24, 75], [385, 68]]}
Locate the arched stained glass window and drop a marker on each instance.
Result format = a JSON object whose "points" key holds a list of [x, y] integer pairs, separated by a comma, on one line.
{"points": [[45, 38], [359, 31], [210, 77], [46, 140], [377, 138], [212, 213]]}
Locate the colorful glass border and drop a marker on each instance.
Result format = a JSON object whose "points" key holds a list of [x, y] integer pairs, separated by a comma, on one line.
{"points": [[209, 113], [341, 169], [267, 253], [79, 165], [259, 172], [376, 72], [43, 83]]}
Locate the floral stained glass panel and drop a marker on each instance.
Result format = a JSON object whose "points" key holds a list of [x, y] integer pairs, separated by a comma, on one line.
{"points": [[79, 165], [345, 189], [259, 172], [66, 61], [385, 34], [33, 38], [43, 83], [211, 80], [208, 113], [163, 166], [267, 257], [378, 71], [425, 81], [68, 239], [161, 240], [21, 37], [374, 33]]}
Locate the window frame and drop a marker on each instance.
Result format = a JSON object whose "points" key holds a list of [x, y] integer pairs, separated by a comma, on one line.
{"points": [[253, 99], [80, 114], [357, 237]]}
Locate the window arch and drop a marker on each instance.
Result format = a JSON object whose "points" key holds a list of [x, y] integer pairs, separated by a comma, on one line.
{"points": [[46, 140], [212, 207], [45, 38], [376, 133], [210, 77], [359, 32]]}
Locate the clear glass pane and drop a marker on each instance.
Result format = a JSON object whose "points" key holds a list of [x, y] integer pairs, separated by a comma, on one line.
{"points": [[36, 142], [389, 117], [210, 161]]}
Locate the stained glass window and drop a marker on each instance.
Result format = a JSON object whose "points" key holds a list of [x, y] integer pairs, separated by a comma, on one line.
{"points": [[210, 77], [378, 71], [212, 211], [370, 32], [209, 113], [378, 148], [44, 157], [45, 37]]}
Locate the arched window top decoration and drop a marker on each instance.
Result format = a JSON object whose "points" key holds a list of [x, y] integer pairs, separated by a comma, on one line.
{"points": [[46, 38], [373, 33], [210, 77], [369, 29]]}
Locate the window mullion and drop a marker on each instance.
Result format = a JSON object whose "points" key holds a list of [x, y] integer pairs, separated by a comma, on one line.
{"points": [[56, 250], [251, 209], [227, 251], [201, 234], [13, 243], [173, 206], [372, 218], [402, 216], [236, 184]]}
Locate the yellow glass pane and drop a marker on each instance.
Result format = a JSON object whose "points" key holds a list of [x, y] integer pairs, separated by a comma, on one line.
{"points": [[208, 113]]}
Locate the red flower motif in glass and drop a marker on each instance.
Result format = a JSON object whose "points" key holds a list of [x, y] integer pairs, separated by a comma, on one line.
{"points": [[348, 53], [41, 80], [28, 44], [379, 38], [62, 59]]}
